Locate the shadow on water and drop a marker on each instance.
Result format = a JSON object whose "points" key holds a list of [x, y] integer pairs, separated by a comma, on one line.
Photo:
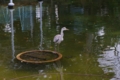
{"points": [[90, 48]]}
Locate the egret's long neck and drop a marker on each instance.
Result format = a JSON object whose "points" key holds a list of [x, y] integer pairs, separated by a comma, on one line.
{"points": [[62, 34]]}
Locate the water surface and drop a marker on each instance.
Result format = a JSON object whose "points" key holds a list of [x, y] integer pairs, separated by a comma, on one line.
{"points": [[90, 48]]}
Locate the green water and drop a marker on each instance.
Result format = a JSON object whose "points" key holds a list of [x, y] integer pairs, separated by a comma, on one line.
{"points": [[90, 48]]}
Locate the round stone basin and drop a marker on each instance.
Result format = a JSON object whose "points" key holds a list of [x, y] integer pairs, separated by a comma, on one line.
{"points": [[39, 56]]}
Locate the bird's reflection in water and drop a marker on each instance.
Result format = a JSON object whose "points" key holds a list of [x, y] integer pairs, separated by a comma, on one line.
{"points": [[59, 38], [57, 65]]}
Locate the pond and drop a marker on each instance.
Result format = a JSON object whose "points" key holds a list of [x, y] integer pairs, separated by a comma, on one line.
{"points": [[90, 47]]}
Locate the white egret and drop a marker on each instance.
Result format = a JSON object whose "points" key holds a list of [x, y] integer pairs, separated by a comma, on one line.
{"points": [[59, 37]]}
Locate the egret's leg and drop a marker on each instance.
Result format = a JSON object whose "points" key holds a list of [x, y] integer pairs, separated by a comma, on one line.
{"points": [[58, 48], [55, 47]]}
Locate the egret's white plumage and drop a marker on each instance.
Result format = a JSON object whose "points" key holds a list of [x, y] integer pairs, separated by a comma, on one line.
{"points": [[59, 37]]}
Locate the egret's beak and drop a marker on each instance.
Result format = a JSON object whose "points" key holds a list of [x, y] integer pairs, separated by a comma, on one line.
{"points": [[67, 29]]}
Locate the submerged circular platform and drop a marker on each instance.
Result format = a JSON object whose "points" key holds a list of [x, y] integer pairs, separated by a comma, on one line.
{"points": [[39, 56]]}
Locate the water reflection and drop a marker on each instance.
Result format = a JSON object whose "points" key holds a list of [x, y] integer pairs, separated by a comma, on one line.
{"points": [[110, 60], [41, 29], [76, 9], [58, 66], [12, 34], [6, 19], [25, 16], [89, 41], [6, 16], [57, 17], [31, 20], [7, 28], [100, 31], [35, 26]]}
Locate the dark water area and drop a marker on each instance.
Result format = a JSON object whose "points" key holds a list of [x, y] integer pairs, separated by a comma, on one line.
{"points": [[90, 48]]}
